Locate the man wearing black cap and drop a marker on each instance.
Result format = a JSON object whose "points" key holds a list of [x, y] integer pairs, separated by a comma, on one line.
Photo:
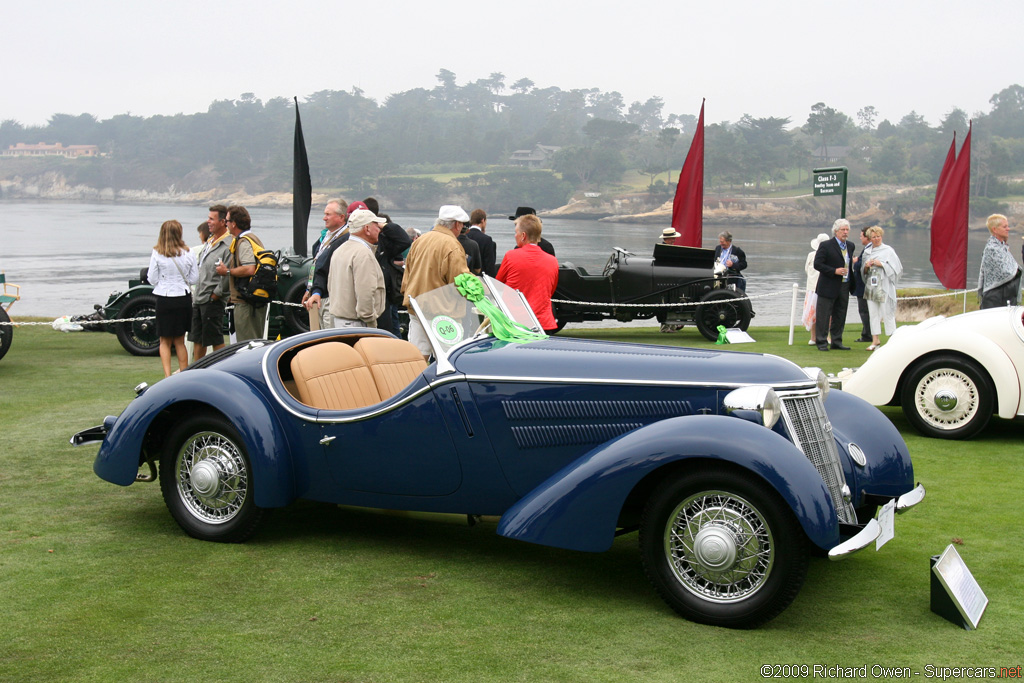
{"points": [[528, 211]]}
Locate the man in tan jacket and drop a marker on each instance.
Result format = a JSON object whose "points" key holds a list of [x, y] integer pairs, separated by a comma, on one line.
{"points": [[356, 284], [434, 260]]}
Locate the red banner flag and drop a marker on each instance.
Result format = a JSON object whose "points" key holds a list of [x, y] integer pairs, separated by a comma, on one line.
{"points": [[688, 205], [949, 218]]}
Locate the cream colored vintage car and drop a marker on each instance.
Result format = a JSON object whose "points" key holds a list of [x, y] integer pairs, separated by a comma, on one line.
{"points": [[949, 374]]}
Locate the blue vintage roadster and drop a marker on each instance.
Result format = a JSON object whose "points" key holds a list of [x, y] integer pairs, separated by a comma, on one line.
{"points": [[733, 467]]}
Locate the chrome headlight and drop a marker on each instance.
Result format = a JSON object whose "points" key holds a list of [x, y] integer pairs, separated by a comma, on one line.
{"points": [[821, 379], [758, 398]]}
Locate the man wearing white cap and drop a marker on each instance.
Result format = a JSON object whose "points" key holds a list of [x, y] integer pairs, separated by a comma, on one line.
{"points": [[669, 235], [355, 283], [434, 260]]}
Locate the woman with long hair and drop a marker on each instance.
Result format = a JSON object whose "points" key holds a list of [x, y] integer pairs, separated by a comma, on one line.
{"points": [[172, 271]]}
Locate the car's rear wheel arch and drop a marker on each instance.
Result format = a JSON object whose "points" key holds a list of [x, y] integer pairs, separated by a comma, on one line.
{"points": [[168, 419]]}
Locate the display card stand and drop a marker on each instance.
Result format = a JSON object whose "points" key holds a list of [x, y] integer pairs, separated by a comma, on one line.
{"points": [[956, 596]]}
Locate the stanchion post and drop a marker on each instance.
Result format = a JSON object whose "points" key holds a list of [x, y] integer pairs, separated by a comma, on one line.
{"points": [[792, 313]]}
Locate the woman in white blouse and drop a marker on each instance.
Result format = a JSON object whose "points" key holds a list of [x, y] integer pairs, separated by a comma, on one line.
{"points": [[172, 271]]}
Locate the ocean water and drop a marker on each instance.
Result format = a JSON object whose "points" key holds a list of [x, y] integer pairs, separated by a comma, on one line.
{"points": [[68, 257]]}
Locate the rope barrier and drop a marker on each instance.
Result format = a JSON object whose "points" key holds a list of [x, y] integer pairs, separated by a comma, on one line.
{"points": [[680, 304]]}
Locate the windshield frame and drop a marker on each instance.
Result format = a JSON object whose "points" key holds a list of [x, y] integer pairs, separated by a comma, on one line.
{"points": [[510, 301]]}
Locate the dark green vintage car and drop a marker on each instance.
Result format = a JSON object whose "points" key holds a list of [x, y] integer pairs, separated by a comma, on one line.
{"points": [[130, 314]]}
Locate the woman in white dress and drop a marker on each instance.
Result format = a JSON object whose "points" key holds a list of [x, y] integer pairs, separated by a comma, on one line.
{"points": [[882, 270], [172, 272], [810, 298]]}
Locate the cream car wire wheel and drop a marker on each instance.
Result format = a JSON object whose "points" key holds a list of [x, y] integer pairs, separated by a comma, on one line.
{"points": [[946, 398]]}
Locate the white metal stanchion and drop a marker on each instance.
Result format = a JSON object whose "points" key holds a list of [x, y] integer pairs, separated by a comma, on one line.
{"points": [[792, 313]]}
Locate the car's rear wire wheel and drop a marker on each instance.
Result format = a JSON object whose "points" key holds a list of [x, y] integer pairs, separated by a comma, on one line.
{"points": [[948, 397], [206, 481], [721, 549]]}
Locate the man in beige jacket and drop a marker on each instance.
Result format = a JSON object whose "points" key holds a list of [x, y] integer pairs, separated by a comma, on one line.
{"points": [[355, 284]]}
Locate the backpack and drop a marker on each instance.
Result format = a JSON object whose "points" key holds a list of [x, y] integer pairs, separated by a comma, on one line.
{"points": [[261, 287]]}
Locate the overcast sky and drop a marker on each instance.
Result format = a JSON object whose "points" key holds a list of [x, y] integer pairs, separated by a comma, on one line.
{"points": [[108, 57]]}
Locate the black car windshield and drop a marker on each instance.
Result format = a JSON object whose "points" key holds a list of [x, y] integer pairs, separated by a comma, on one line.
{"points": [[450, 318]]}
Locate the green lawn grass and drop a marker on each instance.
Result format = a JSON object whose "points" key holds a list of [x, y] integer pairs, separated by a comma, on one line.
{"points": [[97, 583]]}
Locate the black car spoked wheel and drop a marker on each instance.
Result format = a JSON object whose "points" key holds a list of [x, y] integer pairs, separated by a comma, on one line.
{"points": [[138, 337], [721, 307], [6, 333], [721, 549], [948, 397], [206, 481]]}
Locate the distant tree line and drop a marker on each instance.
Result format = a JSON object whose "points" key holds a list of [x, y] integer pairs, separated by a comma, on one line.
{"points": [[357, 143]]}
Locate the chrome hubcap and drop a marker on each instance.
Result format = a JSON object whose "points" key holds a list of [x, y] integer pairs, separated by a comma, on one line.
{"points": [[715, 547], [206, 478], [945, 400]]}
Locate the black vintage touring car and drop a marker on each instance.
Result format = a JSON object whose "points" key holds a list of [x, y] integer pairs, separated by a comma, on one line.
{"points": [[678, 286]]}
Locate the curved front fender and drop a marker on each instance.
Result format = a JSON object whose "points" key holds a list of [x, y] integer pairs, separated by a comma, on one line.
{"points": [[578, 506], [246, 408]]}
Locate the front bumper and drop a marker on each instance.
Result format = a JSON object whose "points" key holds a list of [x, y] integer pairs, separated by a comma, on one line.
{"points": [[94, 434], [873, 529]]}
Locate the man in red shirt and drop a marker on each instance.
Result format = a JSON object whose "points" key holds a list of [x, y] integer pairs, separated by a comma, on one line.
{"points": [[532, 271]]}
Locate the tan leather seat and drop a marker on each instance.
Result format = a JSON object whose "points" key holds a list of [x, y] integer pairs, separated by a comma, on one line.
{"points": [[394, 363], [333, 376]]}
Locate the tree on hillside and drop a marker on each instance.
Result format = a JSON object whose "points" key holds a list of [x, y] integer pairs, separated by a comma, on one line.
{"points": [[826, 122], [766, 153], [1007, 115], [866, 116]]}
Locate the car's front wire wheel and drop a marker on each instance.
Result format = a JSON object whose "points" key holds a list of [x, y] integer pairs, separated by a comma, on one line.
{"points": [[948, 397], [206, 481], [722, 550]]}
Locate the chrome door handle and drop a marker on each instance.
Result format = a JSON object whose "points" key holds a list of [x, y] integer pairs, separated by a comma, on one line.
{"points": [[327, 439]]}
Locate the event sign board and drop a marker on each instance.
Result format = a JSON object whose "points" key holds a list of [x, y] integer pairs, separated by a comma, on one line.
{"points": [[829, 183], [955, 594]]}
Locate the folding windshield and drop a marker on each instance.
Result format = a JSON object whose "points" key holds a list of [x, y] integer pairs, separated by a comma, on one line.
{"points": [[451, 319]]}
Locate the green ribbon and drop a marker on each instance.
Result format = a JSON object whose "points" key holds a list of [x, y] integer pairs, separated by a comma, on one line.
{"points": [[502, 326], [722, 332]]}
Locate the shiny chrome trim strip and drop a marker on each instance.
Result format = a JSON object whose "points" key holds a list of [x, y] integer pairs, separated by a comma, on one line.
{"points": [[861, 540], [794, 385], [910, 499]]}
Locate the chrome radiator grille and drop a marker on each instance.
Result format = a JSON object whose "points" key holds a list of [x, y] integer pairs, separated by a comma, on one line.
{"points": [[808, 424]]}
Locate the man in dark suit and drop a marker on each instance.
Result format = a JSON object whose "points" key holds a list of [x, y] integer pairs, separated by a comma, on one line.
{"points": [[833, 261], [478, 233], [858, 291], [733, 258], [529, 211]]}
